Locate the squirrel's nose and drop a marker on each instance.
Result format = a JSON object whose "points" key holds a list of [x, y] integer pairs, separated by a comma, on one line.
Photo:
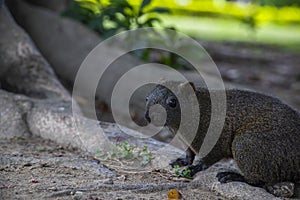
{"points": [[147, 117]]}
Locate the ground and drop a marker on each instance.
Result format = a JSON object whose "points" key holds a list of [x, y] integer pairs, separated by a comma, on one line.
{"points": [[33, 168]]}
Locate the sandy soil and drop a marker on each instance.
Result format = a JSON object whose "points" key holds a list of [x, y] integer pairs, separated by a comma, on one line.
{"points": [[32, 168]]}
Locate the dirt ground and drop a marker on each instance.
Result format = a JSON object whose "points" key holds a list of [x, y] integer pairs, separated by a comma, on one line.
{"points": [[33, 168], [263, 68]]}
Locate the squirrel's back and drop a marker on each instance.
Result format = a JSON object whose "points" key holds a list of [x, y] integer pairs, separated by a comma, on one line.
{"points": [[262, 134], [252, 110]]}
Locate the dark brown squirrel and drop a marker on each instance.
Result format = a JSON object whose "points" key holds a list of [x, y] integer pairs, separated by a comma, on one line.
{"points": [[261, 133]]}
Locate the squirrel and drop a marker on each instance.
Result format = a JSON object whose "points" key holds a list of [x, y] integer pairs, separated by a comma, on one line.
{"points": [[261, 134]]}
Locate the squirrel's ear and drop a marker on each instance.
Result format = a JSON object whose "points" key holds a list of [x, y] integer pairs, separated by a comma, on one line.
{"points": [[183, 85], [193, 86]]}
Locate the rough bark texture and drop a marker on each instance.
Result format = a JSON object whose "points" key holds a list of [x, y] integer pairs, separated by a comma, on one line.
{"points": [[23, 69]]}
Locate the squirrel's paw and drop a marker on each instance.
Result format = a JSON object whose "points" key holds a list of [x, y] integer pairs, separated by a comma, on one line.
{"points": [[226, 177], [181, 162], [200, 166], [282, 189]]}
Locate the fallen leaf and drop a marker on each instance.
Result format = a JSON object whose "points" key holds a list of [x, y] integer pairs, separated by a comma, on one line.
{"points": [[174, 195]]}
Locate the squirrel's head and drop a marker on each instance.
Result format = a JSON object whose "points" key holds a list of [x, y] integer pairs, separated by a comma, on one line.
{"points": [[162, 105]]}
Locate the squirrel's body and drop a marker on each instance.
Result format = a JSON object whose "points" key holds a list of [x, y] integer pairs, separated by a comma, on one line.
{"points": [[261, 133]]}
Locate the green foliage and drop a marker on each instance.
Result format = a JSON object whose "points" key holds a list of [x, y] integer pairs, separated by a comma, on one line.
{"points": [[253, 14], [113, 16], [280, 3], [186, 172], [126, 151]]}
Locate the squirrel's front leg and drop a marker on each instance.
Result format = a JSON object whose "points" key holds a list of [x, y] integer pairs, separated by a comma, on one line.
{"points": [[200, 166], [185, 160]]}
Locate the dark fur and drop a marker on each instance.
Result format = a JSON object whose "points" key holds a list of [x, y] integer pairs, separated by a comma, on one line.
{"points": [[261, 133]]}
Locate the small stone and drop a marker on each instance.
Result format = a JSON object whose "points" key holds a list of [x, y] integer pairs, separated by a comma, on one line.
{"points": [[16, 153], [121, 178], [108, 181], [283, 189], [61, 108], [232, 74], [78, 193], [27, 165], [34, 180]]}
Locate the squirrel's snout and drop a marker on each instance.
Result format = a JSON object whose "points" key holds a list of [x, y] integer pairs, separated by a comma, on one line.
{"points": [[147, 117]]}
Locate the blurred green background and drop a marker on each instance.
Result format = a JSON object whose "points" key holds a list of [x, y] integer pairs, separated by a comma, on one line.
{"points": [[275, 22]]}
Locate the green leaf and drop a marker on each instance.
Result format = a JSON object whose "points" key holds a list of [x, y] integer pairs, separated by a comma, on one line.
{"points": [[145, 148], [160, 10], [117, 1], [150, 21], [176, 167], [120, 3], [90, 6], [145, 3]]}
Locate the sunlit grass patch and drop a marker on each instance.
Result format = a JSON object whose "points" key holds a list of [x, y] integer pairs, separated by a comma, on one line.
{"points": [[287, 36]]}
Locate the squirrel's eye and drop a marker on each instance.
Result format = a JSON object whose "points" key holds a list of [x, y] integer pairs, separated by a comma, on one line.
{"points": [[172, 102], [147, 98]]}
